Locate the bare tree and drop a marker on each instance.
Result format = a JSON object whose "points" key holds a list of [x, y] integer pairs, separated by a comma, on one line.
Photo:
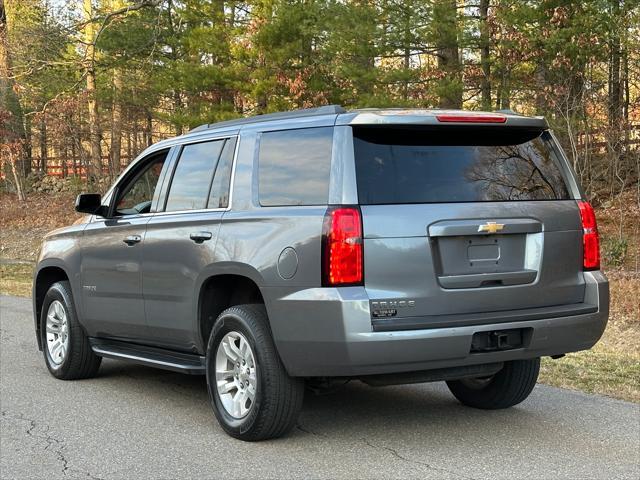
{"points": [[95, 159], [13, 132]]}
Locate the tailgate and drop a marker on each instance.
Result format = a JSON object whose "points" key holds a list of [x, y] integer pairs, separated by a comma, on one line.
{"points": [[460, 224], [437, 260]]}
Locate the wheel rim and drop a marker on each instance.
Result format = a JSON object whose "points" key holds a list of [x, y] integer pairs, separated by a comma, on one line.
{"points": [[57, 330], [236, 375]]}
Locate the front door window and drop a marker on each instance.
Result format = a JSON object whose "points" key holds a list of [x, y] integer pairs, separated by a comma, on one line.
{"points": [[137, 195]]}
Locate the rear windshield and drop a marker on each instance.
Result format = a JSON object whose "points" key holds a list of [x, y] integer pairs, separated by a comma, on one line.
{"points": [[456, 165]]}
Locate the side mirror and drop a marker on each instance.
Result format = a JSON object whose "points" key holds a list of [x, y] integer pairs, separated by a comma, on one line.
{"points": [[88, 203]]}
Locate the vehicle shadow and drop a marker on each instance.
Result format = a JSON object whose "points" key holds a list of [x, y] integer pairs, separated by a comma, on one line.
{"points": [[354, 409], [402, 410]]}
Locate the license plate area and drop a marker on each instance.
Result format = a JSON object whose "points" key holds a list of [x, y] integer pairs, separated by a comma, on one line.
{"points": [[467, 255], [500, 340], [472, 254]]}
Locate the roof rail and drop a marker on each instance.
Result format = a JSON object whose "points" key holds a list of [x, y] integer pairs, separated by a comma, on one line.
{"points": [[304, 112]]}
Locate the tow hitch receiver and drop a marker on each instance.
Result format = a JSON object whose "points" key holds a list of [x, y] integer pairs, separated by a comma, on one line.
{"points": [[498, 340]]}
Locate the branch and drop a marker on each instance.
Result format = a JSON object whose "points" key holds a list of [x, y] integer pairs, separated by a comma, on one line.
{"points": [[115, 13], [125, 10], [57, 96]]}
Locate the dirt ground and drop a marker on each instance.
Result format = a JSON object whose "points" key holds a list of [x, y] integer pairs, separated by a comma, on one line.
{"points": [[22, 225]]}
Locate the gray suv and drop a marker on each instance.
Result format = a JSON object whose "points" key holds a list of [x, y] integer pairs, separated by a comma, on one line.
{"points": [[322, 245]]}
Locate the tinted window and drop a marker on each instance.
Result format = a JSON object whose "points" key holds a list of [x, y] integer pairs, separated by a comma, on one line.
{"points": [[456, 165], [136, 197], [192, 177], [294, 166], [219, 196]]}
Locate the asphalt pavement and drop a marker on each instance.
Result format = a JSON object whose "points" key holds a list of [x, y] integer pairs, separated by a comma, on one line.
{"points": [[138, 422]]}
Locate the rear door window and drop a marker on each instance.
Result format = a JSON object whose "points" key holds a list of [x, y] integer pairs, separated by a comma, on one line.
{"points": [[192, 177], [294, 166], [219, 195], [396, 166]]}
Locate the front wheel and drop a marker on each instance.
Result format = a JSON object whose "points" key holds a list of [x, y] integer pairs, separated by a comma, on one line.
{"points": [[66, 348], [250, 391], [507, 388]]}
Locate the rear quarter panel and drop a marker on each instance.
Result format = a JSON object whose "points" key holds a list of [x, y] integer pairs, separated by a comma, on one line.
{"points": [[252, 238]]}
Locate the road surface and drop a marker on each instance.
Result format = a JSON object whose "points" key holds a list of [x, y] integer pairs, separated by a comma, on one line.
{"points": [[138, 422]]}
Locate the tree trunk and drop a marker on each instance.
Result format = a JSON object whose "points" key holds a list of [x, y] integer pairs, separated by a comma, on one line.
{"points": [[79, 154], [615, 90], [74, 156], [62, 151], [129, 129], [42, 140], [505, 91], [262, 102], [445, 22], [135, 137], [540, 83], [615, 98], [485, 54], [174, 55], [227, 96], [116, 112], [148, 130], [17, 177], [14, 127], [27, 162], [95, 158], [406, 20], [626, 104], [116, 124]]}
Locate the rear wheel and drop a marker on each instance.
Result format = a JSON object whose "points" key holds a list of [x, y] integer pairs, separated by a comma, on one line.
{"points": [[507, 388], [251, 393], [66, 348]]}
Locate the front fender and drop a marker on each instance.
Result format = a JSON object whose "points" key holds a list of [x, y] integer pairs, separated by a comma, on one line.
{"points": [[49, 270]]}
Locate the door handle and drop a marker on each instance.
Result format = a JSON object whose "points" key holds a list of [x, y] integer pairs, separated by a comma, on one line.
{"points": [[132, 240], [200, 237]]}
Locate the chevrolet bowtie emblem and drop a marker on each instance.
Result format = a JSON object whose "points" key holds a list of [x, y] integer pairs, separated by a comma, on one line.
{"points": [[491, 227]]}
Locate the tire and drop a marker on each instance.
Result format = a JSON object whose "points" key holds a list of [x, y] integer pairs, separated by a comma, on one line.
{"points": [[77, 360], [277, 398], [507, 388]]}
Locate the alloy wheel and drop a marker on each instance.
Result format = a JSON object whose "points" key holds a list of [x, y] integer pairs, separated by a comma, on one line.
{"points": [[57, 332], [236, 375]]}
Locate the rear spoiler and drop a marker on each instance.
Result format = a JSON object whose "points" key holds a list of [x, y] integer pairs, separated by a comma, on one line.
{"points": [[440, 117]]}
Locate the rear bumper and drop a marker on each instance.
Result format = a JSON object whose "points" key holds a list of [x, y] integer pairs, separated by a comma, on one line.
{"points": [[328, 332]]}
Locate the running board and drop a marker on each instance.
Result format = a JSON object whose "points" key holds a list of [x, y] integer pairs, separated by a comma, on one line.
{"points": [[189, 363]]}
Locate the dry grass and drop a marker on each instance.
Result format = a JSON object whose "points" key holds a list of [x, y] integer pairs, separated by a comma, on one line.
{"points": [[619, 218], [15, 279], [612, 367]]}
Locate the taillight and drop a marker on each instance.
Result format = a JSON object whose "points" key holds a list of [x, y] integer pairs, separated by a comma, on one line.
{"points": [[471, 118], [590, 239], [342, 250]]}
